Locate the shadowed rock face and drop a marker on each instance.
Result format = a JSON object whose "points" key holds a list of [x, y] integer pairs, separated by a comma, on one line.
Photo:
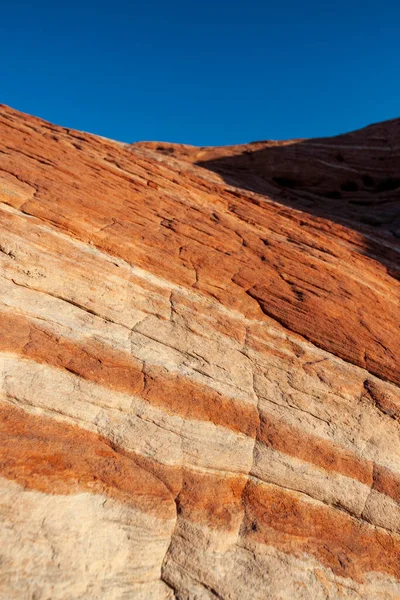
{"points": [[199, 367]]}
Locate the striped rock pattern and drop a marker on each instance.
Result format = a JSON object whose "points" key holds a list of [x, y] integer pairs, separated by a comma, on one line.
{"points": [[199, 367]]}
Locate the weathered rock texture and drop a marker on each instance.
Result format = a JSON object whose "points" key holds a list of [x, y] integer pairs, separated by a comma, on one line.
{"points": [[199, 367]]}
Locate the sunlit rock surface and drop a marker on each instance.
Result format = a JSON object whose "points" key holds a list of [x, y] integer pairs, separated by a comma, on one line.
{"points": [[199, 357]]}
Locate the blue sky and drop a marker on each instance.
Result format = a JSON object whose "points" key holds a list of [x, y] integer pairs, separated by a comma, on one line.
{"points": [[209, 73]]}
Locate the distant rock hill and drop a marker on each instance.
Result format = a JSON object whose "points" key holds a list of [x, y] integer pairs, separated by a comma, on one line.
{"points": [[199, 354]]}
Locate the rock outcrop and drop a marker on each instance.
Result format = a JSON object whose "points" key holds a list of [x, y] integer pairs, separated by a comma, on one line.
{"points": [[199, 355]]}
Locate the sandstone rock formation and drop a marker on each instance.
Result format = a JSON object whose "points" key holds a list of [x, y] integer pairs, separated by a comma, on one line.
{"points": [[199, 367]]}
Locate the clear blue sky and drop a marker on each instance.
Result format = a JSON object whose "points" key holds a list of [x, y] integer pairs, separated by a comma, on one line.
{"points": [[210, 72]]}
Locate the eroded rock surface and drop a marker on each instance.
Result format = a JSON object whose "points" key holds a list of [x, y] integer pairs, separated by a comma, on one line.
{"points": [[199, 367]]}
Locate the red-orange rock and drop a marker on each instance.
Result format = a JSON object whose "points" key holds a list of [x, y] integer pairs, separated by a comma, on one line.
{"points": [[199, 366]]}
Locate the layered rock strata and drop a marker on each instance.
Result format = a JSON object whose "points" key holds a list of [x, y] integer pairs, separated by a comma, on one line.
{"points": [[199, 367]]}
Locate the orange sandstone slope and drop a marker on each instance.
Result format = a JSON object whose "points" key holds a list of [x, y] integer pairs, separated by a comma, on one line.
{"points": [[200, 376]]}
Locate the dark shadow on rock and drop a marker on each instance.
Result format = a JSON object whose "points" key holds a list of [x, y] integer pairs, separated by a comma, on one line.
{"points": [[352, 179]]}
